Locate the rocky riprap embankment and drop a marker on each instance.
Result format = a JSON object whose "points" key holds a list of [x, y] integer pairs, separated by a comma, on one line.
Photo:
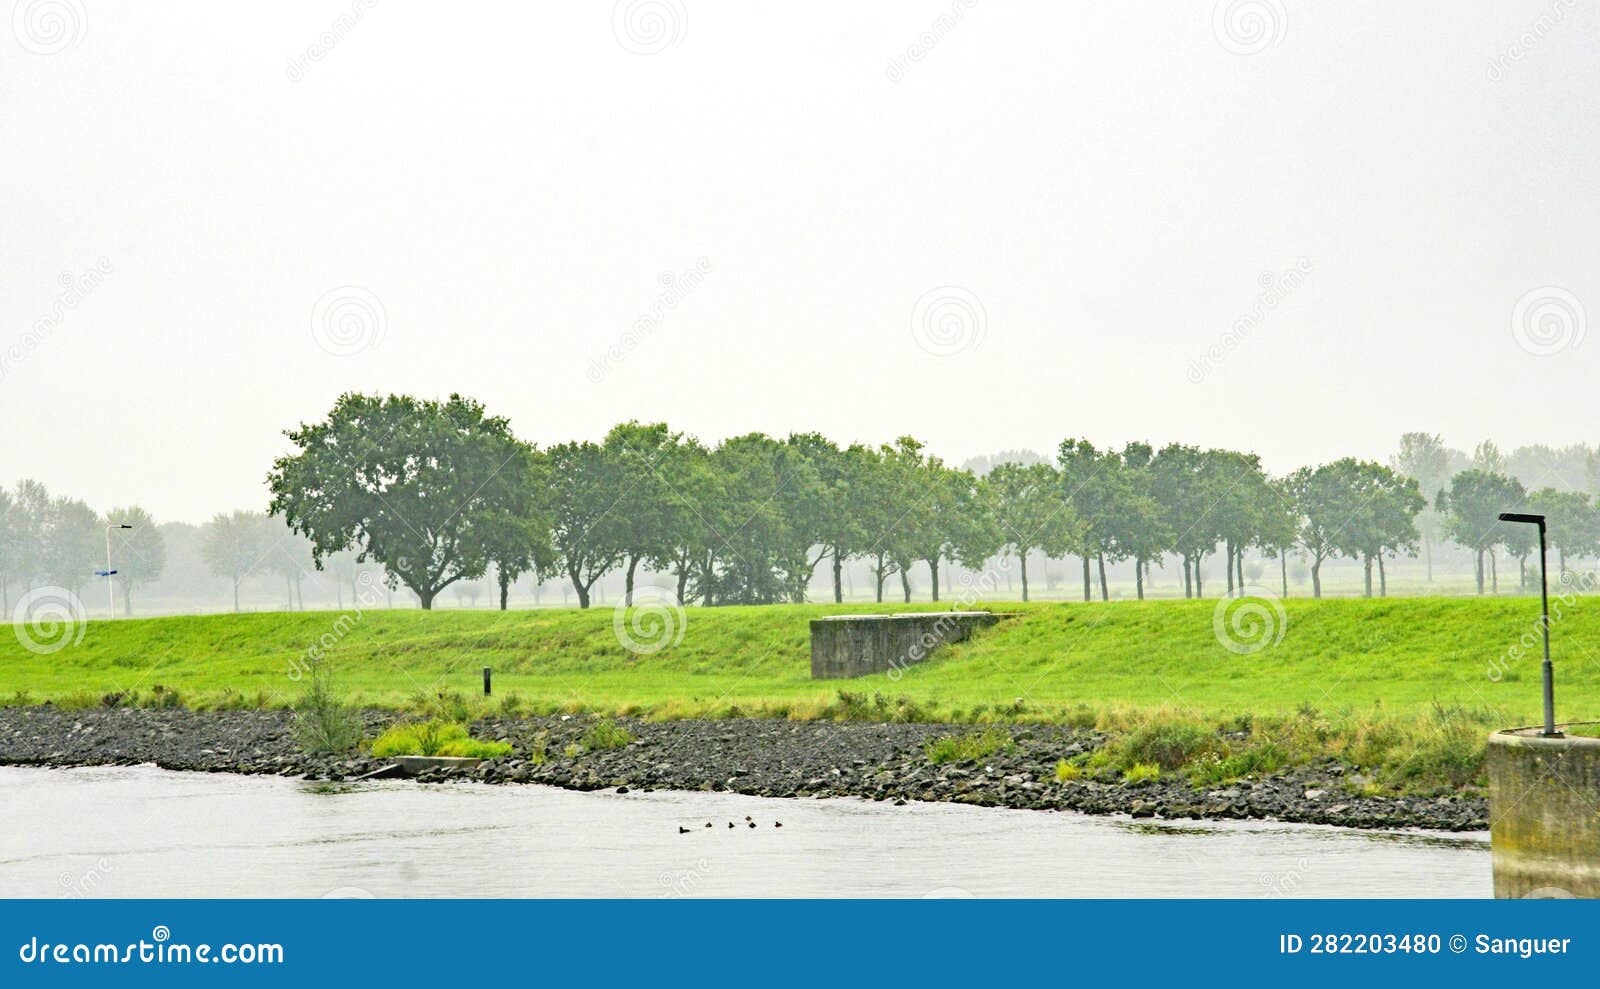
{"points": [[755, 757]]}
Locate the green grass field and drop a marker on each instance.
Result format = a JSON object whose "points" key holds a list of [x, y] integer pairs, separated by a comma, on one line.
{"points": [[1400, 656], [1404, 690]]}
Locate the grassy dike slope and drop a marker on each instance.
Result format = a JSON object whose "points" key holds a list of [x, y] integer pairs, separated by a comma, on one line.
{"points": [[1399, 657]]}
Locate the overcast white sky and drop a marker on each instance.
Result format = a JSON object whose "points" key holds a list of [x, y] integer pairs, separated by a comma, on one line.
{"points": [[1113, 184]]}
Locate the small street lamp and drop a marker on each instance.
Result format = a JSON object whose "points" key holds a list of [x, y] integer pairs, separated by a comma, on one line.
{"points": [[1544, 622], [108, 573]]}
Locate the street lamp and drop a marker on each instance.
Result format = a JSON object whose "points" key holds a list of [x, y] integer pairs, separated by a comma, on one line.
{"points": [[108, 573], [1544, 621]]}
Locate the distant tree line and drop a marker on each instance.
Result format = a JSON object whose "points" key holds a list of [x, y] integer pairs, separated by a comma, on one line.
{"points": [[429, 495], [440, 492]]}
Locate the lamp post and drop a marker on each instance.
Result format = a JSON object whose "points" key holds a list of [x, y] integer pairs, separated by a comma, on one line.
{"points": [[1544, 622], [108, 573]]}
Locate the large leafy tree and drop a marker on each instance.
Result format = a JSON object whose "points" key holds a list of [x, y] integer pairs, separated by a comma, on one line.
{"points": [[588, 539], [139, 554], [1321, 497], [1573, 521], [234, 544], [1380, 517], [642, 512], [832, 518], [1424, 458], [1030, 511], [1471, 507], [1184, 483], [415, 485]]}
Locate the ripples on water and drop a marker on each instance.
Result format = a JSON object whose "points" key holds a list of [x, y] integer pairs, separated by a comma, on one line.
{"points": [[142, 831]]}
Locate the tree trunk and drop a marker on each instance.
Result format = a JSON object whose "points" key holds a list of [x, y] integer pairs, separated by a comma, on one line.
{"points": [[1024, 577], [1383, 579], [905, 585], [1188, 582], [127, 600], [505, 589], [583, 592], [425, 598], [1283, 567], [838, 583], [933, 569], [1088, 583], [1199, 590], [627, 593], [1316, 578], [1478, 569], [1522, 573], [236, 595], [1228, 566], [1240, 561], [1366, 575], [1494, 573], [1100, 558], [1138, 578]]}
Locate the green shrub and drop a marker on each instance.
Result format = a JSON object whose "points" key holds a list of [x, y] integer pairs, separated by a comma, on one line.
{"points": [[1167, 744], [1066, 772], [435, 738], [969, 747], [606, 734], [1140, 772], [322, 722]]}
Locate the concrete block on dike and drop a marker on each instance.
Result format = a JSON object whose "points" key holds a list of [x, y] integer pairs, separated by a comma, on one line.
{"points": [[845, 646], [1544, 814]]}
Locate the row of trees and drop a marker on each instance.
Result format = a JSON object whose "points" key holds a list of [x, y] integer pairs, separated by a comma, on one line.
{"points": [[441, 492], [54, 540]]}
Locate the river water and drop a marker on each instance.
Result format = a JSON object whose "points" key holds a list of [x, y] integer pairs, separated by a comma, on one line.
{"points": [[141, 831]]}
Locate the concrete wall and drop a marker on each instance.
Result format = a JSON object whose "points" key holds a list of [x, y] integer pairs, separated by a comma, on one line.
{"points": [[856, 645], [1544, 814]]}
